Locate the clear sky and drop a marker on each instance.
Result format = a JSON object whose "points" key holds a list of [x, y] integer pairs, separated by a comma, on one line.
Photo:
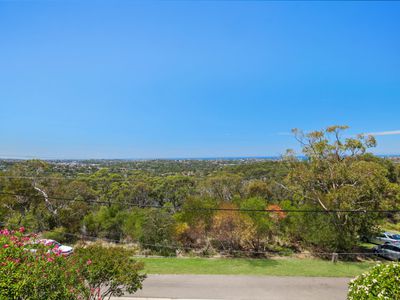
{"points": [[130, 79]]}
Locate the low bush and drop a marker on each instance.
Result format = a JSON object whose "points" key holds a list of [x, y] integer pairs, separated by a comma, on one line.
{"points": [[381, 282], [30, 270], [58, 234], [37, 272], [111, 271]]}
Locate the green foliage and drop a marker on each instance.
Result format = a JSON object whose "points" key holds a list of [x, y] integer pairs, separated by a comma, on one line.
{"points": [[232, 230], [381, 282], [111, 199], [42, 274], [30, 270], [335, 176], [192, 217], [173, 189], [58, 234], [110, 271], [222, 186], [157, 231], [262, 222], [133, 223], [258, 188], [107, 222]]}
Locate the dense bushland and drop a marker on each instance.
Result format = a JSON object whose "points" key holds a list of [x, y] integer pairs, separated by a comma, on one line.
{"points": [[199, 209]]}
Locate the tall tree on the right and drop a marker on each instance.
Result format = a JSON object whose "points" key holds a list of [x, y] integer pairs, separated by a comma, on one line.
{"points": [[338, 174]]}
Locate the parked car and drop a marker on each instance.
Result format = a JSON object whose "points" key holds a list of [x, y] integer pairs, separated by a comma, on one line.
{"points": [[389, 251], [385, 237], [56, 247]]}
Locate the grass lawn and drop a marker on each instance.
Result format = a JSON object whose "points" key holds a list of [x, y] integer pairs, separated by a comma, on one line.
{"points": [[242, 266], [367, 246], [395, 228]]}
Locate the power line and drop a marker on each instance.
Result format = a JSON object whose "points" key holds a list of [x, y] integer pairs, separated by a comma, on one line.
{"points": [[210, 208], [83, 200]]}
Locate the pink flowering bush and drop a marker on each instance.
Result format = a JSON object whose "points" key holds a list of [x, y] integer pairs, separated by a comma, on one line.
{"points": [[30, 270]]}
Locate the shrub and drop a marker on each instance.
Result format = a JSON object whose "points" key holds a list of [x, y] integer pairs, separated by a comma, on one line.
{"points": [[232, 230], [157, 232], [30, 270], [58, 234], [107, 222], [381, 282], [110, 271], [41, 274]]}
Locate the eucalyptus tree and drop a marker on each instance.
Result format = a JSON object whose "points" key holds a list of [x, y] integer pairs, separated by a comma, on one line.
{"points": [[337, 175]]}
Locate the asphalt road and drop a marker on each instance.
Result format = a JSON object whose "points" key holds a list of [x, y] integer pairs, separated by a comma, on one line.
{"points": [[235, 287]]}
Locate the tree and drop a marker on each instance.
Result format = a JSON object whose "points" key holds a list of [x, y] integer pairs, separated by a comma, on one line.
{"points": [[21, 201], [157, 231], [336, 176], [194, 221], [232, 230], [107, 222], [222, 186], [173, 189], [263, 223], [110, 271], [257, 188]]}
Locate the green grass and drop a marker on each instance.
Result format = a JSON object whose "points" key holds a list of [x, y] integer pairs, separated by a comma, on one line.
{"points": [[367, 246], [395, 228], [242, 266]]}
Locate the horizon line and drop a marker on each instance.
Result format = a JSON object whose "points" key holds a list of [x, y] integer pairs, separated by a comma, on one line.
{"points": [[263, 157]]}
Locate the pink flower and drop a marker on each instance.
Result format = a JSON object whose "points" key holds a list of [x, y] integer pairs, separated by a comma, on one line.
{"points": [[22, 229], [5, 232], [6, 246], [50, 259], [89, 262]]}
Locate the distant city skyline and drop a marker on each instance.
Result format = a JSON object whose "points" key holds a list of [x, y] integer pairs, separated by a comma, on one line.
{"points": [[192, 79]]}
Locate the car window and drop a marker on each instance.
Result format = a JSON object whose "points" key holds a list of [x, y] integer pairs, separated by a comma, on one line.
{"points": [[393, 248]]}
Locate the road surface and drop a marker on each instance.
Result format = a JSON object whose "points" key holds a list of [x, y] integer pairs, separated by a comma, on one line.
{"points": [[235, 287]]}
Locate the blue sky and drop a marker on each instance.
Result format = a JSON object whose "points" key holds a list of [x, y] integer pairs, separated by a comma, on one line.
{"points": [[127, 79]]}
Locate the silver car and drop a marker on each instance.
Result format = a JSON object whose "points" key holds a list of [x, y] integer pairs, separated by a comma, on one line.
{"points": [[386, 237], [389, 251]]}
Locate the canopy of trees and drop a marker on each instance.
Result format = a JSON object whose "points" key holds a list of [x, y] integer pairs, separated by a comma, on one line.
{"points": [[210, 205]]}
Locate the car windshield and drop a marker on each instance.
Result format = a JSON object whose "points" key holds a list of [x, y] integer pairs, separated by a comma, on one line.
{"points": [[396, 237]]}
